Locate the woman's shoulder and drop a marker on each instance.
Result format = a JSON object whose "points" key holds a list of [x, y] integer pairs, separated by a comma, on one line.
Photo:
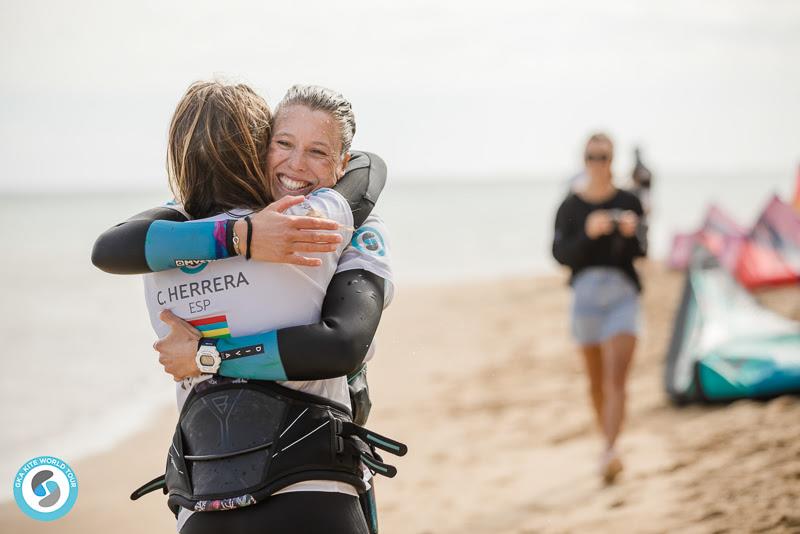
{"points": [[572, 199], [330, 197], [174, 205], [573, 203], [324, 202], [628, 200]]}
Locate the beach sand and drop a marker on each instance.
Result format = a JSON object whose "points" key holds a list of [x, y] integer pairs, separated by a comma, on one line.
{"points": [[483, 383]]}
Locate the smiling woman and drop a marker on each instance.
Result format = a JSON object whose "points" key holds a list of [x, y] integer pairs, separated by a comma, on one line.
{"points": [[306, 153]]}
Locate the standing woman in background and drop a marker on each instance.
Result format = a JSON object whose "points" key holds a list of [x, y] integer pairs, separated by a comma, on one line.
{"points": [[597, 235]]}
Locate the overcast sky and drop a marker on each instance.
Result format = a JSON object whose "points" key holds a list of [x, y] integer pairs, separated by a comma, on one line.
{"points": [[442, 90]]}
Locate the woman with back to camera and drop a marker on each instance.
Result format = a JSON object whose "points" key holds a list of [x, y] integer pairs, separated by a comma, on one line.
{"points": [[222, 159], [597, 236]]}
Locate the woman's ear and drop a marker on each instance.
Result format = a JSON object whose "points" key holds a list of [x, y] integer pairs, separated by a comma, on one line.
{"points": [[341, 169]]}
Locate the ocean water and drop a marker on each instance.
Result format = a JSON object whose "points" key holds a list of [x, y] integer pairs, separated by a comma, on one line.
{"points": [[455, 231], [79, 370]]}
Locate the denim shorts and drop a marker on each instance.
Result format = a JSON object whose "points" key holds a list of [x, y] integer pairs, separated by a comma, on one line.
{"points": [[605, 303]]}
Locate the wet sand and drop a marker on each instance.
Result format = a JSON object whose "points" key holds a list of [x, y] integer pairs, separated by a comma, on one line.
{"points": [[484, 384]]}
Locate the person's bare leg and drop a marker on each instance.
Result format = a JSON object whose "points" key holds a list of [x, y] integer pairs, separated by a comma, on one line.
{"points": [[617, 356], [593, 360]]}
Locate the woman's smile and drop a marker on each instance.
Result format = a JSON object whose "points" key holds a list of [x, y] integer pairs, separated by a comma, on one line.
{"points": [[293, 185]]}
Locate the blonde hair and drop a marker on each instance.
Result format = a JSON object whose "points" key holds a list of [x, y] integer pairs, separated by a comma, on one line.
{"points": [[217, 149]]}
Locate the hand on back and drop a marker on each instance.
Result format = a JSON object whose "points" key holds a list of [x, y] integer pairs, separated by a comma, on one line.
{"points": [[177, 350], [281, 238]]}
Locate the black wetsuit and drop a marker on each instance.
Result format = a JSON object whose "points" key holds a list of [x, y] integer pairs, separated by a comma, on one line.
{"points": [[573, 248]]}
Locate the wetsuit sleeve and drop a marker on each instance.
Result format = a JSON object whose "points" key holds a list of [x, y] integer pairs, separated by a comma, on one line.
{"points": [[335, 346], [156, 239], [570, 242], [362, 184]]}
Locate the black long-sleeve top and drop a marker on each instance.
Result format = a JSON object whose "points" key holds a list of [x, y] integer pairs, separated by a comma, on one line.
{"points": [[573, 248]]}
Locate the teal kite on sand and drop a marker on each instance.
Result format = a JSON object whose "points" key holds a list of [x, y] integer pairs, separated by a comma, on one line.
{"points": [[725, 346]]}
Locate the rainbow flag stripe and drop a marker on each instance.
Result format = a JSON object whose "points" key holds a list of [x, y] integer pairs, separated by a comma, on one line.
{"points": [[214, 326]]}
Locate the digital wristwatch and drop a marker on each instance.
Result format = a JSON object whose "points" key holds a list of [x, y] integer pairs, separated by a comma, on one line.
{"points": [[208, 358]]}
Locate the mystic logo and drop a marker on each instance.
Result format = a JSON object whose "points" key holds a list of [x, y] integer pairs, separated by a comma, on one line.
{"points": [[369, 240], [45, 488], [192, 266]]}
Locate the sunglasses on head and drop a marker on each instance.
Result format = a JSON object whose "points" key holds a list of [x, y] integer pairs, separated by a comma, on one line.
{"points": [[597, 157]]}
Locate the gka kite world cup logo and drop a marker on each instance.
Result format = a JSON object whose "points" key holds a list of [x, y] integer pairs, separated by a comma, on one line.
{"points": [[45, 488]]}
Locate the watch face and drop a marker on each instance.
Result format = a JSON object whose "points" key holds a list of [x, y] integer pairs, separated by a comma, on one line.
{"points": [[206, 359]]}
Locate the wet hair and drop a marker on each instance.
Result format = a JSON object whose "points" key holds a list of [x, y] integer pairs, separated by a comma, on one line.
{"points": [[217, 149], [599, 137], [319, 98]]}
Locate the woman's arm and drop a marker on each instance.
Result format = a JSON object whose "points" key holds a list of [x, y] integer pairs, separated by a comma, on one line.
{"points": [[636, 233], [335, 346], [570, 242], [122, 249], [636, 245], [159, 239], [362, 184]]}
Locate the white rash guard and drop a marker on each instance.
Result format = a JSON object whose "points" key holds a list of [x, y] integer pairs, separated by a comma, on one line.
{"points": [[247, 297]]}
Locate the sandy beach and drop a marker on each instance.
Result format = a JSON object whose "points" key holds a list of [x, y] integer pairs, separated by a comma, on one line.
{"points": [[485, 386]]}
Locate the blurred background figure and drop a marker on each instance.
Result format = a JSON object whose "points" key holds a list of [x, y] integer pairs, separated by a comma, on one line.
{"points": [[596, 237], [641, 183], [642, 180]]}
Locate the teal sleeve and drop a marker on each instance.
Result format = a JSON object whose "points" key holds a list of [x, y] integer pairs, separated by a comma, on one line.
{"points": [[255, 356], [167, 243], [333, 347]]}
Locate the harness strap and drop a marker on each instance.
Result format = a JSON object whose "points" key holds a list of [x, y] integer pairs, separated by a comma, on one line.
{"points": [[377, 466], [366, 453], [157, 483], [347, 429]]}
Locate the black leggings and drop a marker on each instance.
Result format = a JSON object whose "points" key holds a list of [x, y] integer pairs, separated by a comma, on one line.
{"points": [[302, 512]]}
